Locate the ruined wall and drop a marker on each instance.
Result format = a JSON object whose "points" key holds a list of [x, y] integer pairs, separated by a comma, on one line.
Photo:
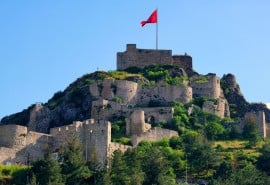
{"points": [[259, 118], [136, 123], [209, 89], [219, 108], [117, 146], [184, 61], [110, 88], [153, 134], [157, 114], [163, 94]]}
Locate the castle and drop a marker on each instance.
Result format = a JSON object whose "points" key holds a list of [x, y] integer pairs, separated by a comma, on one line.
{"points": [[19, 144]]}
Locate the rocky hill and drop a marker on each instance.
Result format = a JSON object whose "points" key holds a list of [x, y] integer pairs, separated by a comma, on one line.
{"points": [[156, 84]]}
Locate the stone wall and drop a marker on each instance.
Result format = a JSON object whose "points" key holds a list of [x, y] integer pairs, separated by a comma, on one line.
{"points": [[95, 136], [184, 61], [23, 145], [7, 155], [134, 57], [136, 123], [209, 89], [110, 88], [117, 146], [219, 108], [155, 115], [12, 136], [163, 94], [153, 134]]}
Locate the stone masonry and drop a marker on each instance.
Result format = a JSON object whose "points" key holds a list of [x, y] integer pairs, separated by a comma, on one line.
{"points": [[146, 57]]}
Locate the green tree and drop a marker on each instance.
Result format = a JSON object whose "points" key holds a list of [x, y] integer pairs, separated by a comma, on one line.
{"points": [[224, 170], [201, 155], [47, 170], [250, 131], [157, 169], [263, 162], [33, 180], [134, 164], [119, 169], [213, 130], [249, 175], [73, 165]]}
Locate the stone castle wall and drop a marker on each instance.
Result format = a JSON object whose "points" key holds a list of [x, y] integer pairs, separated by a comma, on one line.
{"points": [[94, 136], [146, 57], [13, 136], [219, 108], [116, 146], [23, 145], [7, 155], [209, 89], [109, 88], [153, 134], [163, 94]]}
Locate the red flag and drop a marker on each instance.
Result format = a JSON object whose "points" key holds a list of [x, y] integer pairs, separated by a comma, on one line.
{"points": [[151, 19]]}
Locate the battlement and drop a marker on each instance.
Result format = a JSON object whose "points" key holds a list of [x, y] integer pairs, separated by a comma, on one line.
{"points": [[134, 57]]}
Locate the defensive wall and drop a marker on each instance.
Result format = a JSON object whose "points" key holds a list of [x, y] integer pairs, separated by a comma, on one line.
{"points": [[153, 134], [146, 57], [95, 136], [209, 88], [19, 145], [132, 93], [107, 110], [220, 107]]}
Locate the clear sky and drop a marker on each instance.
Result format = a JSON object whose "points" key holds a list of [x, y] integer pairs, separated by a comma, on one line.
{"points": [[46, 45]]}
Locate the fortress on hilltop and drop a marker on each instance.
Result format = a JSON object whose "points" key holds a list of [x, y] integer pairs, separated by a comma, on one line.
{"points": [[22, 144], [146, 57]]}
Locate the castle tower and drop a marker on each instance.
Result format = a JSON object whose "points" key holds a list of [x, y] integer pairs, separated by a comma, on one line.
{"points": [[13, 136]]}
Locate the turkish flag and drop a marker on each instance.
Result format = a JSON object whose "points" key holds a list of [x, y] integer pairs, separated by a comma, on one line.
{"points": [[151, 19]]}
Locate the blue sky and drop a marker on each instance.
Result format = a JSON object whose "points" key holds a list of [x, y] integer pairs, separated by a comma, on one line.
{"points": [[46, 45]]}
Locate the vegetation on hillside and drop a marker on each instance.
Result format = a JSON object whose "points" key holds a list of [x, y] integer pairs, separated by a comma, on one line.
{"points": [[208, 147]]}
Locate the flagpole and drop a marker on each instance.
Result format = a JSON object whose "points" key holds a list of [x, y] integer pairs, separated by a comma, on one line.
{"points": [[157, 32], [157, 36]]}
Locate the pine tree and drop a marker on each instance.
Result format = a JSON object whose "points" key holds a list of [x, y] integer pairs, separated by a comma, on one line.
{"points": [[47, 170], [73, 165]]}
